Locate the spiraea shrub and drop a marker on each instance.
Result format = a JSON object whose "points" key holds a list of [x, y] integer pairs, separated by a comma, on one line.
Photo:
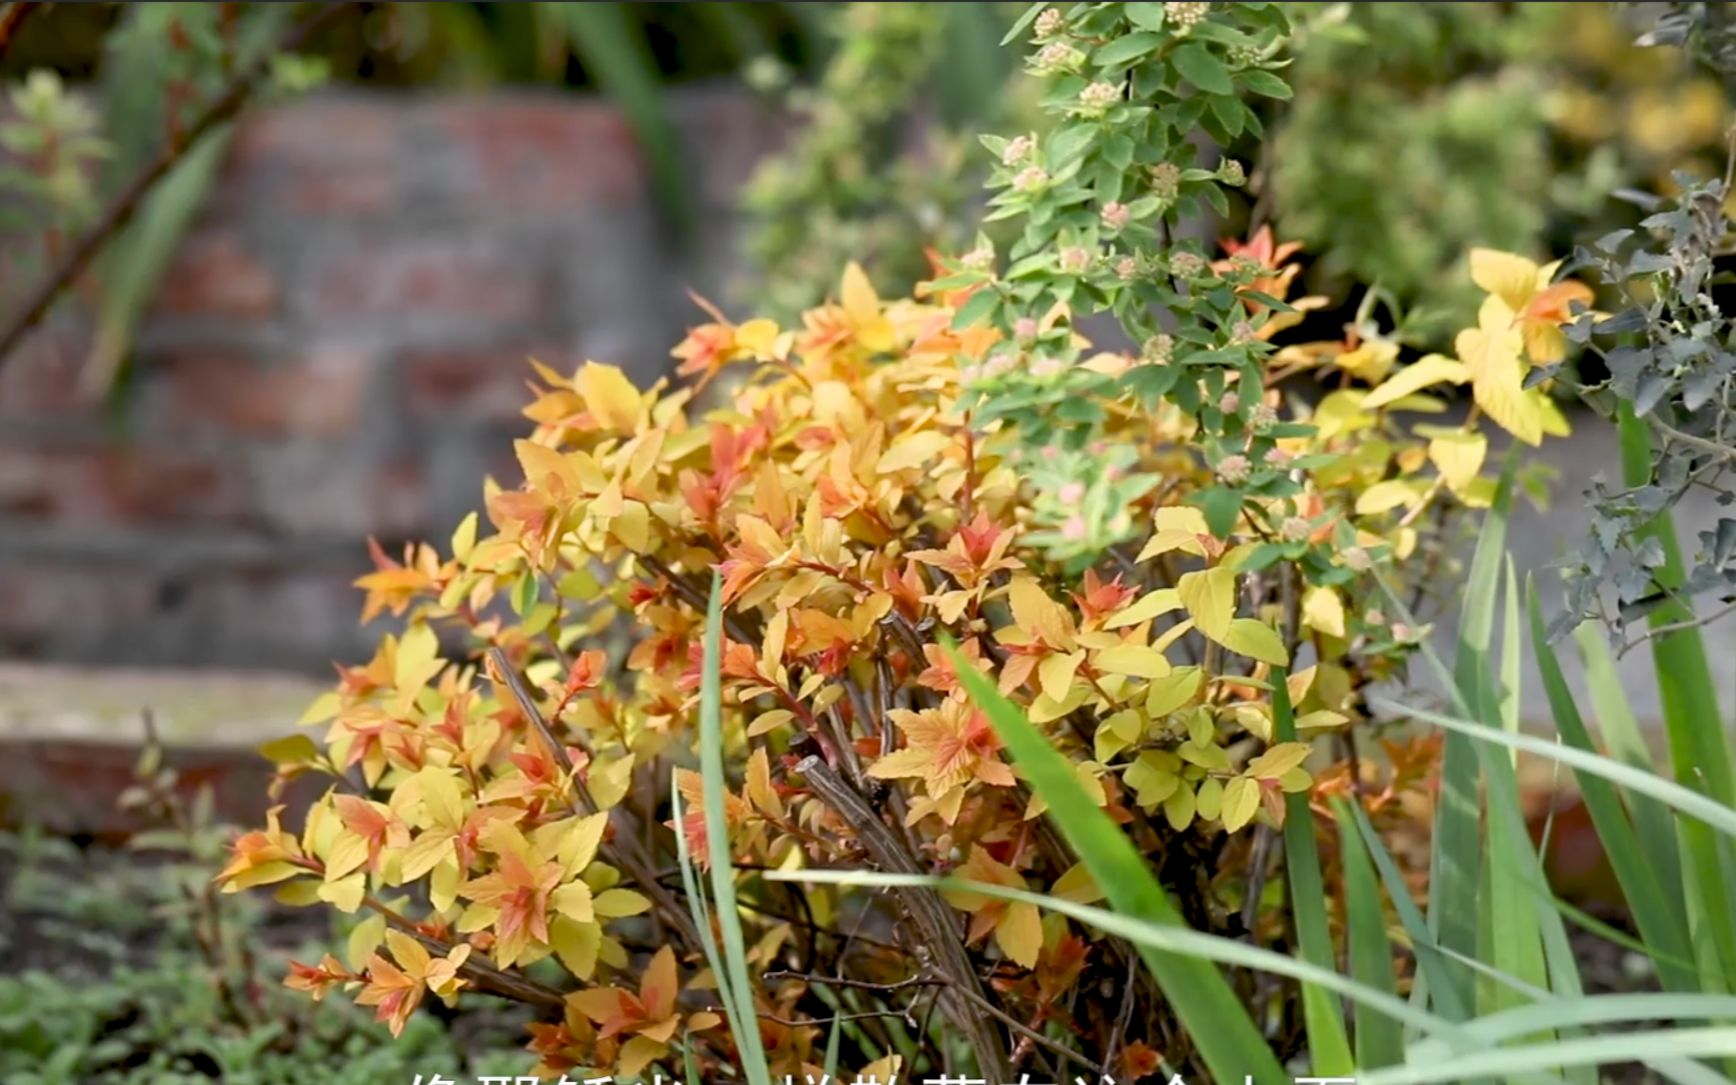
{"points": [[505, 772]]}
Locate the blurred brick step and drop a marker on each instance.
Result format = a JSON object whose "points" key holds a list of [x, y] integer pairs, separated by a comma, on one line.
{"points": [[70, 739]]}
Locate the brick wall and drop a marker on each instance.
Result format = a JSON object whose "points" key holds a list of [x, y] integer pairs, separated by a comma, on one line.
{"points": [[340, 350]]}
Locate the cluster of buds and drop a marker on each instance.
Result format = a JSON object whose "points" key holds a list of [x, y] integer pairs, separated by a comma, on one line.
{"points": [[1264, 416], [1057, 56], [1231, 173], [1158, 349], [1296, 529], [1234, 469], [1165, 181], [1187, 265], [1097, 99], [1031, 179], [1017, 150], [981, 258], [1115, 215], [1050, 23], [1075, 259], [1185, 16]]}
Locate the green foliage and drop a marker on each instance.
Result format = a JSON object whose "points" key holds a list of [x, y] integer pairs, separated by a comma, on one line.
{"points": [[1417, 132], [858, 182]]}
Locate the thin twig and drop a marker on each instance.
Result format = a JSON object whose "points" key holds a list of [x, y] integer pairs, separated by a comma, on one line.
{"points": [[1677, 627], [623, 851], [122, 208], [1029, 1033], [935, 922]]}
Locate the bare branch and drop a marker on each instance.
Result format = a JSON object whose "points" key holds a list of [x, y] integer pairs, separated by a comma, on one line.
{"points": [[126, 203]]}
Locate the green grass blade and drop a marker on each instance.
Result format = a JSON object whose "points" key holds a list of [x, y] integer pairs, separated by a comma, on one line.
{"points": [[1699, 752], [1227, 1038], [1673, 795], [1431, 961], [1651, 1047], [1698, 747], [1379, 1041], [1327, 1044], [1622, 738], [1662, 923], [1456, 857], [615, 53], [717, 846]]}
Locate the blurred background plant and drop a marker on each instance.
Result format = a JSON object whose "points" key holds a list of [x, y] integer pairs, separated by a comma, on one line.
{"points": [[884, 166]]}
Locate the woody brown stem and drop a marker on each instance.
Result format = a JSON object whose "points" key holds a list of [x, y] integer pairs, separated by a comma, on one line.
{"points": [[941, 943], [624, 851]]}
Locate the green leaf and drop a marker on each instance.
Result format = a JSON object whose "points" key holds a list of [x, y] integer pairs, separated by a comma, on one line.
{"points": [[1206, 72], [1378, 1039], [1024, 21], [1656, 907], [1221, 506], [1226, 1037], [1264, 83], [613, 50], [1328, 1048], [1145, 16], [1127, 49], [1699, 750], [717, 845]]}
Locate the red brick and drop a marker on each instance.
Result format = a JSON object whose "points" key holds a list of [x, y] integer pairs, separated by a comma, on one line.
{"points": [[93, 486], [326, 155], [319, 394], [481, 384], [42, 376], [47, 599], [531, 154], [411, 277], [214, 274], [337, 492]]}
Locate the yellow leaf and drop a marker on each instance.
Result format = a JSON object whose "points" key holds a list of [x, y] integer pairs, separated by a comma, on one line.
{"points": [[912, 451], [1241, 802], [1056, 674], [857, 293], [1035, 612], [1277, 760], [1167, 694], [1020, 933], [1180, 807], [1511, 278], [574, 901], [464, 539], [1458, 457], [345, 894], [1322, 610], [295, 749], [1320, 718], [1256, 640], [758, 337], [297, 894], [617, 903], [1152, 778], [1491, 353], [1149, 606], [1136, 660], [1210, 799], [1383, 496], [1425, 371], [609, 396], [1210, 598], [546, 469], [1077, 885], [770, 721], [576, 944], [365, 937], [638, 1053], [324, 707]]}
